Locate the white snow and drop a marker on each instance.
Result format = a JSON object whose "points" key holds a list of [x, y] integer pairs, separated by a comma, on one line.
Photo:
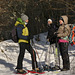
{"points": [[8, 61]]}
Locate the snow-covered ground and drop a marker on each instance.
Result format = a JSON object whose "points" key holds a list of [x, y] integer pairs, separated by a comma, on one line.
{"points": [[8, 58]]}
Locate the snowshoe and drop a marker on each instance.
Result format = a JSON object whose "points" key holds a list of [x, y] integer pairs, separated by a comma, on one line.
{"points": [[37, 71]]}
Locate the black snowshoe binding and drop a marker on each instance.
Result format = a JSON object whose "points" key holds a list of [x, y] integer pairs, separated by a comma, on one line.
{"points": [[49, 68], [46, 68]]}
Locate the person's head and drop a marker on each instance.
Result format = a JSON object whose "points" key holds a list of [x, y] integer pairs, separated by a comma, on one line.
{"points": [[24, 18], [49, 21], [63, 20]]}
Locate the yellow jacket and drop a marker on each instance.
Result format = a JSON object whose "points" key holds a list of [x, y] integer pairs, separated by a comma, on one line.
{"points": [[22, 32]]}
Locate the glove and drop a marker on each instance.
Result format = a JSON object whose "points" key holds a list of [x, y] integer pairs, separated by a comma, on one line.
{"points": [[55, 35]]}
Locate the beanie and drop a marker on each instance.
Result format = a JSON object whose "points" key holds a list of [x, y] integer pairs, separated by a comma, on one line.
{"points": [[61, 19], [50, 20], [24, 17]]}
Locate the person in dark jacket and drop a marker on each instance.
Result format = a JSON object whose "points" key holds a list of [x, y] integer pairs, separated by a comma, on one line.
{"points": [[52, 39], [51, 29], [24, 38]]}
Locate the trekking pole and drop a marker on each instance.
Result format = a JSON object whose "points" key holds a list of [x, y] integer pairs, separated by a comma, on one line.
{"points": [[36, 53], [49, 48], [34, 61], [58, 51], [38, 56], [42, 52], [47, 57], [31, 41], [39, 59]]}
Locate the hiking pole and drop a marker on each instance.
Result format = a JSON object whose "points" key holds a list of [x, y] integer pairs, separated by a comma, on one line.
{"points": [[57, 45], [34, 61], [31, 42], [49, 48], [37, 55], [47, 57], [42, 52], [39, 59]]}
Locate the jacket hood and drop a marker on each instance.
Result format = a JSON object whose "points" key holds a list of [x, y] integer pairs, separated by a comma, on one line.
{"points": [[65, 18], [19, 21]]}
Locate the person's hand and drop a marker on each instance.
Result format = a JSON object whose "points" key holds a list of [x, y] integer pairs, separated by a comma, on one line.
{"points": [[55, 34], [59, 35]]}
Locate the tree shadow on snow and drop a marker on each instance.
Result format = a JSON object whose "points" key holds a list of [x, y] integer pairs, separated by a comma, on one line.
{"points": [[7, 65], [40, 48], [30, 62]]}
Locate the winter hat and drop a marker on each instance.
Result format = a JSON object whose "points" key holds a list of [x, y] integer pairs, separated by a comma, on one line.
{"points": [[50, 20], [61, 19], [24, 17]]}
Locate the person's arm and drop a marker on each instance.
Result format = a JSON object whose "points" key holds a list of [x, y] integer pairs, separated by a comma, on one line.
{"points": [[65, 33], [19, 32]]}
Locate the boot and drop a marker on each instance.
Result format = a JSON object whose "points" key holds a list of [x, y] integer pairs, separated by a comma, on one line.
{"points": [[37, 70], [56, 67], [21, 71], [64, 69]]}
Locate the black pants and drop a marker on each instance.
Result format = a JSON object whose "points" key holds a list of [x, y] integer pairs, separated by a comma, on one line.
{"points": [[24, 46], [64, 53]]}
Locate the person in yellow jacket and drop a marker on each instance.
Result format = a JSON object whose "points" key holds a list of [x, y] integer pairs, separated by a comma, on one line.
{"points": [[23, 40]]}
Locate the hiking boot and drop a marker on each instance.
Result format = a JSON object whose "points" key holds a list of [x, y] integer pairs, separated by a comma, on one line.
{"points": [[37, 70], [64, 69], [57, 67], [21, 71]]}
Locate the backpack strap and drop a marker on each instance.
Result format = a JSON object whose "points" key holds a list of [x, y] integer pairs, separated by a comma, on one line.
{"points": [[21, 26], [65, 28]]}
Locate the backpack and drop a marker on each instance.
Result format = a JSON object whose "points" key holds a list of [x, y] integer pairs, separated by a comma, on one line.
{"points": [[14, 31], [14, 34], [72, 35]]}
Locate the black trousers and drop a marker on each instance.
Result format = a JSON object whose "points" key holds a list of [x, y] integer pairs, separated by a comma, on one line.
{"points": [[64, 53], [23, 47]]}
